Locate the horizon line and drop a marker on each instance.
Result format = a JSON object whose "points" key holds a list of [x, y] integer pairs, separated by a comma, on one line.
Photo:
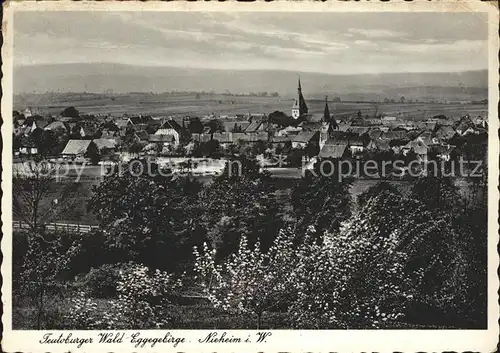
{"points": [[17, 66]]}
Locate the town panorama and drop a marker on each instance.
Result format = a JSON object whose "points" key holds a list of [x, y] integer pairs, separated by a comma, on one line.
{"points": [[337, 179]]}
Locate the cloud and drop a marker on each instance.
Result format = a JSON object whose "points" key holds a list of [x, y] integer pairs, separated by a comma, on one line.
{"points": [[377, 33], [458, 47], [365, 43], [320, 42]]}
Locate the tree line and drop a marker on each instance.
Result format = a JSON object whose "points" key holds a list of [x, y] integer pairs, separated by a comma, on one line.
{"points": [[325, 261]]}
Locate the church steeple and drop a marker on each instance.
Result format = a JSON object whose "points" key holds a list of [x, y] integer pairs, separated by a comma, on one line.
{"points": [[328, 118], [326, 114], [299, 106]]}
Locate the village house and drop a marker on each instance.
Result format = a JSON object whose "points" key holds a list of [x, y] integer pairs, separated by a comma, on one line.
{"points": [[289, 131], [430, 126], [138, 120], [356, 146], [84, 130], [378, 145], [144, 123], [418, 147], [28, 129], [395, 135], [359, 130], [224, 138], [254, 126], [18, 128], [256, 116], [28, 146], [160, 143], [139, 136], [110, 130], [106, 147], [443, 152], [77, 149], [339, 138], [56, 126], [413, 134], [305, 138], [445, 133], [334, 151], [173, 135], [205, 137], [235, 126], [121, 123], [481, 121], [250, 138], [429, 138], [388, 119], [375, 134], [280, 141], [344, 126], [464, 126]]}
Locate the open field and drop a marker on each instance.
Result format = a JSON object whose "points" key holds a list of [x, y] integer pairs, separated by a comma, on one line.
{"points": [[192, 105]]}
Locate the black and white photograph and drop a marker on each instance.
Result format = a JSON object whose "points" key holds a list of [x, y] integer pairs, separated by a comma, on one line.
{"points": [[263, 171]]}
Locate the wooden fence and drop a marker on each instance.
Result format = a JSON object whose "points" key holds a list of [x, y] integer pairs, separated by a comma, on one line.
{"points": [[53, 227]]}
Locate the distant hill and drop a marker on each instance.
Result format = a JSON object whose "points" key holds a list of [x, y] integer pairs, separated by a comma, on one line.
{"points": [[125, 78]]}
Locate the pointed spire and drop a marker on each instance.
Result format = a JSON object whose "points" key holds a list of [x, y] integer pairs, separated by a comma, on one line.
{"points": [[299, 106], [331, 119], [326, 115]]}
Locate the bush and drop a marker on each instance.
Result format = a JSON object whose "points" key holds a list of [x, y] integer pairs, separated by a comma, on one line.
{"points": [[143, 297], [84, 314], [142, 302], [101, 282]]}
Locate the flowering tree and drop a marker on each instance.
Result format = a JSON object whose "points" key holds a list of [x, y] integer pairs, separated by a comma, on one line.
{"points": [[386, 256], [249, 281], [42, 264], [388, 259], [353, 281], [143, 296]]}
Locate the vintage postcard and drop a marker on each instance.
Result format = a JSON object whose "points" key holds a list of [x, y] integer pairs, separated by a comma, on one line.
{"points": [[250, 177]]}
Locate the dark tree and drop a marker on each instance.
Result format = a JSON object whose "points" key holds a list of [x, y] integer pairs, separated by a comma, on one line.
{"points": [[321, 202], [195, 126], [279, 118], [93, 154], [71, 112], [148, 217], [240, 202], [381, 188], [215, 125], [437, 193]]}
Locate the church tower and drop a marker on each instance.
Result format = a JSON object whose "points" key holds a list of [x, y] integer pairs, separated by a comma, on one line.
{"points": [[326, 114], [299, 106], [328, 118]]}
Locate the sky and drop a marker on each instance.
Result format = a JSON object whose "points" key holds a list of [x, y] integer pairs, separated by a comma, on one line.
{"points": [[337, 43]]}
